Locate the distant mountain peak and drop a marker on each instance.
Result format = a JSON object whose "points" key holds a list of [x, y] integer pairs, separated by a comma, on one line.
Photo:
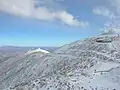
{"points": [[37, 50]]}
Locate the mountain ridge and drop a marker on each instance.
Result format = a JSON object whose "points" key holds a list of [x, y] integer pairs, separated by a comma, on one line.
{"points": [[81, 65]]}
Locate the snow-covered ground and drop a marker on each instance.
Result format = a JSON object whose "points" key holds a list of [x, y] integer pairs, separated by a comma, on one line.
{"points": [[82, 65]]}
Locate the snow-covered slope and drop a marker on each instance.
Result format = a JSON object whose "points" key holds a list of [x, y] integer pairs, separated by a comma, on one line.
{"points": [[91, 47], [90, 64]]}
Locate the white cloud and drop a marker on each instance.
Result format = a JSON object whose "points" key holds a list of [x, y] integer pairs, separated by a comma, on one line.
{"points": [[17, 7], [103, 11], [116, 5], [43, 13], [69, 19], [111, 10], [26, 8]]}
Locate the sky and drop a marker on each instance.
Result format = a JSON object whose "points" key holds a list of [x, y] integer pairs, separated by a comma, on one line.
{"points": [[55, 22]]}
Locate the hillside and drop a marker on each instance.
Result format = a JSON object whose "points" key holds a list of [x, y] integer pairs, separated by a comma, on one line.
{"points": [[89, 64]]}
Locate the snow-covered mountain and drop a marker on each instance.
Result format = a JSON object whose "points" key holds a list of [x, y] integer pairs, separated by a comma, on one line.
{"points": [[89, 64], [37, 51]]}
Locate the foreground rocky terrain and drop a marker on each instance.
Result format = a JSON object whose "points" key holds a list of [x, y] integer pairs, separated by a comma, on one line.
{"points": [[89, 64]]}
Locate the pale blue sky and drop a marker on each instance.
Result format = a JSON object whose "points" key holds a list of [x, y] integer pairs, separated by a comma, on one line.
{"points": [[49, 26]]}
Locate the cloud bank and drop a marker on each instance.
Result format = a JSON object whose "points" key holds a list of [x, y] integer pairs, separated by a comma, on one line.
{"points": [[40, 9]]}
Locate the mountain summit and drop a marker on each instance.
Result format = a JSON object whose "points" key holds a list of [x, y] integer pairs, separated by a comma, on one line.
{"points": [[37, 50]]}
